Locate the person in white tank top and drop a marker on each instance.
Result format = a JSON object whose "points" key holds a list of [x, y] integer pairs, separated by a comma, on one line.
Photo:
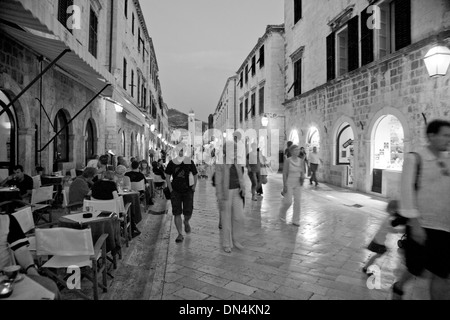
{"points": [[293, 177]]}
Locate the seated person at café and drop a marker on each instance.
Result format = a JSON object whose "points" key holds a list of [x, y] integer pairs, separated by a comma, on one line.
{"points": [[103, 189], [159, 176], [102, 167], [122, 180], [79, 188], [93, 163], [135, 175], [122, 162], [13, 239], [21, 180], [145, 169]]}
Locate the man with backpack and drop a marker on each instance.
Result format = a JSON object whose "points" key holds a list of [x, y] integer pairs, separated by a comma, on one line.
{"points": [[181, 177]]}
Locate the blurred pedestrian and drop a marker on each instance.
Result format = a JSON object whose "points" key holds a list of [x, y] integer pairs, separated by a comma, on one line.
{"points": [[426, 205], [230, 192], [254, 170], [314, 165], [293, 178]]}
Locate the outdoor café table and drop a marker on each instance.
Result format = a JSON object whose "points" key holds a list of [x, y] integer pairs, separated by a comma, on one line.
{"points": [[135, 208], [98, 226], [28, 289], [7, 194]]}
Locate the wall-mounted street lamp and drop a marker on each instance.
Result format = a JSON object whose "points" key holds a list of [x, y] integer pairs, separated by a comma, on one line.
{"points": [[437, 61], [267, 116], [152, 128], [160, 135], [119, 108]]}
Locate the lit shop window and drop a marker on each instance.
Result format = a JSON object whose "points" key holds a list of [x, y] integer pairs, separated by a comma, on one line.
{"points": [[389, 144]]}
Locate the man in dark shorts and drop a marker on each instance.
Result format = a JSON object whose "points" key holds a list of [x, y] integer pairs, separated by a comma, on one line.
{"points": [[427, 206], [182, 189]]}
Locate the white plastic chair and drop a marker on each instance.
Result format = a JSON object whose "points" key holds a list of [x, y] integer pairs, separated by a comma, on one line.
{"points": [[69, 248]]}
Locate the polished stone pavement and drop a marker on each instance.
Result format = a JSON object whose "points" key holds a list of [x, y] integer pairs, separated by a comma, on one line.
{"points": [[320, 260]]}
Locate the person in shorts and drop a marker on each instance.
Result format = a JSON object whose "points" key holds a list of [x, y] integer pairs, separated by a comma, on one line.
{"points": [[181, 177], [427, 208]]}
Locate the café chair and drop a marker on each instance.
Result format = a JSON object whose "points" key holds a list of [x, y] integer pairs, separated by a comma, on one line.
{"points": [[24, 217], [41, 200], [72, 206], [37, 183], [71, 248]]}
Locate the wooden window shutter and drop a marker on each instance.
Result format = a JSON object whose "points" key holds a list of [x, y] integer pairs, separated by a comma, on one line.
{"points": [[367, 55], [402, 23], [331, 57], [353, 44]]}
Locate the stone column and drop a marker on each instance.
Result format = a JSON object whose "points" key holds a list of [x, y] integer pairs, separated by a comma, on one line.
{"points": [[26, 151]]}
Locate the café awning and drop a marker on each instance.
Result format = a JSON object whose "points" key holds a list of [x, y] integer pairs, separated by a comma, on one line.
{"points": [[20, 24]]}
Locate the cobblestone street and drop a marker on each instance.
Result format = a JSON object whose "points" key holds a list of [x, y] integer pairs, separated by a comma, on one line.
{"points": [[321, 259]]}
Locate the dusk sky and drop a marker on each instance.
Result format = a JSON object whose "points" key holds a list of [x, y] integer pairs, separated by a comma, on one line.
{"points": [[199, 44]]}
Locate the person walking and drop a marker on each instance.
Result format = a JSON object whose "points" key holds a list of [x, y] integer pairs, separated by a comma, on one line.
{"points": [[426, 205], [254, 170], [184, 176], [293, 178], [314, 165], [230, 192]]}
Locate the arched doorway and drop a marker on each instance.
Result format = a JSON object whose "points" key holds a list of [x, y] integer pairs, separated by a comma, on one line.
{"points": [[90, 147], [123, 144], [344, 151], [312, 140], [61, 142], [388, 148], [8, 137], [294, 137]]}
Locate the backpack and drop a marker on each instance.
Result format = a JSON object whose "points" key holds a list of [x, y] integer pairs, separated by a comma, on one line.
{"points": [[180, 182]]}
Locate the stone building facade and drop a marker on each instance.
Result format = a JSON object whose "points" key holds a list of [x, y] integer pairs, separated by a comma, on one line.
{"points": [[362, 93], [224, 117], [34, 34]]}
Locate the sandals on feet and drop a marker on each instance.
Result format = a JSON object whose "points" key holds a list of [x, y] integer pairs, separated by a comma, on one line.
{"points": [[227, 249], [187, 227], [179, 239]]}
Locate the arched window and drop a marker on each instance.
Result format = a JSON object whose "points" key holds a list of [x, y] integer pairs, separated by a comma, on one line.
{"points": [[138, 145], [8, 137], [389, 144], [61, 144], [90, 149]]}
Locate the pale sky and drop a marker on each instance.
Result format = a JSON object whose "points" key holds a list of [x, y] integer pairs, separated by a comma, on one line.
{"points": [[199, 44]]}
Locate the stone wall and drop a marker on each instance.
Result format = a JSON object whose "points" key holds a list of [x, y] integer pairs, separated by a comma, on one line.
{"points": [[397, 85]]}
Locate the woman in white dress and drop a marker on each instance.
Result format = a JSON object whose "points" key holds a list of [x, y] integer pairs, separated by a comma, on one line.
{"points": [[293, 177]]}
